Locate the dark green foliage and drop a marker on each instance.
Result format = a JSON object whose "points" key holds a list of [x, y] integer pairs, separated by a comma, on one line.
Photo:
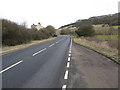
{"points": [[85, 30], [67, 25], [51, 30], [67, 32], [111, 19], [14, 34], [64, 32]]}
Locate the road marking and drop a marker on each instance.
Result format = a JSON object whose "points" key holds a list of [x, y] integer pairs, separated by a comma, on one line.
{"points": [[51, 45], [57, 42], [68, 58], [39, 52], [70, 51], [66, 75], [69, 55], [60, 40], [71, 44], [68, 64], [11, 66], [64, 87], [71, 41]]}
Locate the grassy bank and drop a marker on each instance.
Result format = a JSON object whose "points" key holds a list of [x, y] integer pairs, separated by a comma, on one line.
{"points": [[107, 37], [99, 46], [6, 49]]}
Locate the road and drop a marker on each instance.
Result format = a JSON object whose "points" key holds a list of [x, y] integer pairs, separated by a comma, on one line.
{"points": [[58, 63], [38, 66]]}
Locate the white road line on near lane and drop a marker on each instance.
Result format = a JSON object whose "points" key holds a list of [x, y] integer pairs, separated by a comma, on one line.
{"points": [[11, 66], [64, 87], [70, 51], [69, 55], [66, 75], [71, 41], [51, 45], [68, 58], [68, 64], [39, 52], [71, 44], [57, 42]]}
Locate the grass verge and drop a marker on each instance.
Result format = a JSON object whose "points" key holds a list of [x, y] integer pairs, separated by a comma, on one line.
{"points": [[6, 49], [107, 37], [97, 48]]}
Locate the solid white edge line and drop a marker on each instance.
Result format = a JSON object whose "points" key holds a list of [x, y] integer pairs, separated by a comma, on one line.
{"points": [[39, 52], [64, 87], [66, 75], [68, 58], [68, 64], [11, 66]]}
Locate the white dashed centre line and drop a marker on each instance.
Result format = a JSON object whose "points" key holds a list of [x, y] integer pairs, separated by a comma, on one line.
{"points": [[39, 52], [57, 42], [68, 64], [11, 66], [51, 45], [66, 75], [70, 51], [69, 55], [68, 58], [64, 87]]}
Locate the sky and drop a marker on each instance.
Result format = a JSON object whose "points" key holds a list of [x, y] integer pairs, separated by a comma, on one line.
{"points": [[54, 12]]}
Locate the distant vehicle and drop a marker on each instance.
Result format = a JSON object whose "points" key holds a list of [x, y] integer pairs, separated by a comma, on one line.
{"points": [[54, 35]]}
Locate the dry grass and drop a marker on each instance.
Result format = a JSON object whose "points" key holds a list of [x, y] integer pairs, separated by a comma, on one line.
{"points": [[98, 45], [6, 49], [106, 30]]}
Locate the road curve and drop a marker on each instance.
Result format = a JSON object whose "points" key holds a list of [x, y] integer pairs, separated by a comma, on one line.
{"points": [[58, 64], [38, 66]]}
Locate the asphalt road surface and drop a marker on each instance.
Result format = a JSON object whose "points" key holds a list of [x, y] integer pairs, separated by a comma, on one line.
{"points": [[38, 66], [55, 64]]}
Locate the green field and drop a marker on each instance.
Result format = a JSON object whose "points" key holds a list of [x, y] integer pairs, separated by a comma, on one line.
{"points": [[116, 27], [107, 37]]}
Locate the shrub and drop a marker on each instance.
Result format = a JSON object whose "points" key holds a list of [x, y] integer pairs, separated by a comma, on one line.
{"points": [[50, 29], [85, 30], [64, 32], [14, 34], [67, 32]]}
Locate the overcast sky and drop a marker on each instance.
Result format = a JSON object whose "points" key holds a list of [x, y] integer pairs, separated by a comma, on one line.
{"points": [[55, 12]]}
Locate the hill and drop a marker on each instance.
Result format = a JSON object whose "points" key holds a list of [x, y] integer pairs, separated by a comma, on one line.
{"points": [[111, 19]]}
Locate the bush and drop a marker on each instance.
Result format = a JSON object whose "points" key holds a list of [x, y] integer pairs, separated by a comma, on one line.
{"points": [[64, 32], [14, 34], [85, 30], [50, 29], [67, 32]]}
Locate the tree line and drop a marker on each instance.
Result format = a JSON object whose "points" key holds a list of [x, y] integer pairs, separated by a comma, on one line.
{"points": [[111, 20], [85, 27], [14, 34]]}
